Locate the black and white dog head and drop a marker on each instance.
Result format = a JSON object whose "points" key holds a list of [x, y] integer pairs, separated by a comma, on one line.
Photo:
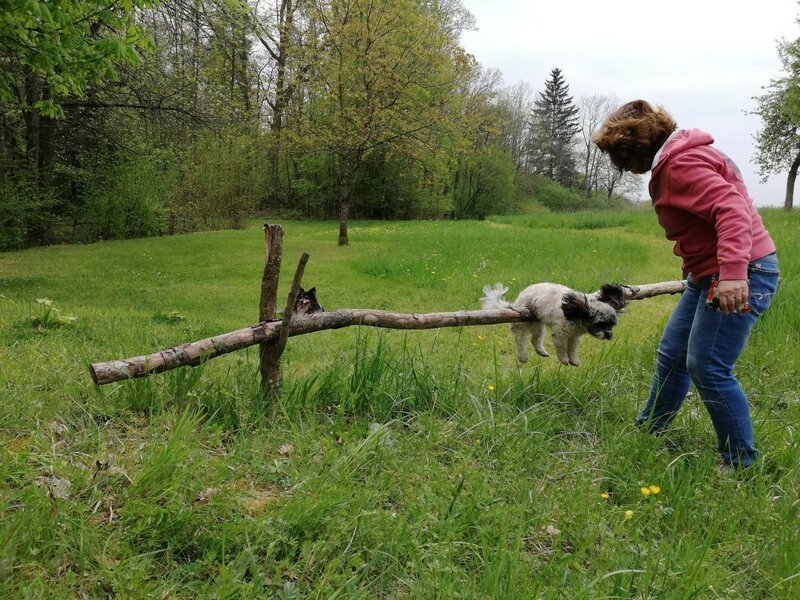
{"points": [[307, 303], [596, 312]]}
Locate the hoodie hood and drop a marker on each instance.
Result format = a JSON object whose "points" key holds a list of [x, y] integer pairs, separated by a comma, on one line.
{"points": [[679, 141]]}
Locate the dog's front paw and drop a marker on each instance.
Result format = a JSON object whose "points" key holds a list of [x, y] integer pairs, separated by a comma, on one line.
{"points": [[564, 360], [542, 352], [574, 362], [522, 359]]}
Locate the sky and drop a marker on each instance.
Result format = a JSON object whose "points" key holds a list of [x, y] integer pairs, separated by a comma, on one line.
{"points": [[702, 60]]}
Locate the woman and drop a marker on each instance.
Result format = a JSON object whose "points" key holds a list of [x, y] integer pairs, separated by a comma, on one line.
{"points": [[703, 205]]}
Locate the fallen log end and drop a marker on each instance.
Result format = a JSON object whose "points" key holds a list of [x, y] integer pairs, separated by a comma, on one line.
{"points": [[115, 370]]}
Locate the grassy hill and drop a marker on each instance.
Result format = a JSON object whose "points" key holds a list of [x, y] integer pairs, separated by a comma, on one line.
{"points": [[395, 464]]}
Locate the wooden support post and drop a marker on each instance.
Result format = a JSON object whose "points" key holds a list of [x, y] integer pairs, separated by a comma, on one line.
{"points": [[271, 357], [273, 238]]}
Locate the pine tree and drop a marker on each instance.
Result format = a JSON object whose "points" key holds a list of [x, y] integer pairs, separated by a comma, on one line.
{"points": [[553, 125]]}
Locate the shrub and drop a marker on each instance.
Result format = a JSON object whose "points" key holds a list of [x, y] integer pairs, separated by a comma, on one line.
{"points": [[22, 215], [484, 185], [221, 182], [561, 199], [133, 203]]}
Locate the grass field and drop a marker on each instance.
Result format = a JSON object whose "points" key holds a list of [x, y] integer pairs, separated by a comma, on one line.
{"points": [[395, 464]]}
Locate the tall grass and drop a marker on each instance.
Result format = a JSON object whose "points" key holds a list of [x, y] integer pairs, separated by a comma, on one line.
{"points": [[395, 464]]}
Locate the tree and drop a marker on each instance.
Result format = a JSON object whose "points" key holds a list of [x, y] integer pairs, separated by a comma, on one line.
{"points": [[593, 111], [51, 52], [615, 182], [516, 102], [553, 125], [385, 80], [484, 184], [778, 142], [64, 45], [287, 35]]}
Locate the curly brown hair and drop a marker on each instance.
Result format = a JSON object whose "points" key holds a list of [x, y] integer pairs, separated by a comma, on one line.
{"points": [[632, 135]]}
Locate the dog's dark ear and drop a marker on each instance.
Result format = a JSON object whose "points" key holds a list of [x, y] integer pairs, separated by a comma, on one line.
{"points": [[313, 291], [614, 295], [575, 307], [301, 291]]}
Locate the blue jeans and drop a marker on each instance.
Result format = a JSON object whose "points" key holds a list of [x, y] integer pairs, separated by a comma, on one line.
{"points": [[701, 347]]}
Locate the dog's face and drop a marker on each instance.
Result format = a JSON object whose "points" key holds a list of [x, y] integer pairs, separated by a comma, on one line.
{"points": [[306, 302], [596, 312]]}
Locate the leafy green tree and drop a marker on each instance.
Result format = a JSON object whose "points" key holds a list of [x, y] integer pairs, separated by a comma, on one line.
{"points": [[385, 80], [484, 184], [778, 141], [52, 52], [553, 125], [65, 45]]}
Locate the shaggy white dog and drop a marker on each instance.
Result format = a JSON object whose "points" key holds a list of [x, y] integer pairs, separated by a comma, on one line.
{"points": [[569, 315]]}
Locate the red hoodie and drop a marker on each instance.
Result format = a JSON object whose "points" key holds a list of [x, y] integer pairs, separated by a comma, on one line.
{"points": [[703, 205]]}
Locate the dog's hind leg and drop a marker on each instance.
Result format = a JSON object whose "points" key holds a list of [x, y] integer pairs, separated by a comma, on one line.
{"points": [[561, 342], [520, 333], [537, 330]]}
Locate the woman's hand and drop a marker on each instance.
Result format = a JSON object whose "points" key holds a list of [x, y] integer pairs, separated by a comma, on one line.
{"points": [[732, 294]]}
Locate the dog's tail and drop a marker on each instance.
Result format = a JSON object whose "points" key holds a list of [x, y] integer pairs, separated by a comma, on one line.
{"points": [[493, 297]]}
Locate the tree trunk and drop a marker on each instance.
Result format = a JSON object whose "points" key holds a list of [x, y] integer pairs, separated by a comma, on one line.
{"points": [[790, 179], [196, 66], [47, 132], [281, 56], [4, 147], [33, 93], [195, 353], [344, 210], [587, 187], [346, 186], [244, 77]]}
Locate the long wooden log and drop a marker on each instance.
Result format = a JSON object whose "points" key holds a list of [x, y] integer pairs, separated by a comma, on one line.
{"points": [[648, 290], [194, 353]]}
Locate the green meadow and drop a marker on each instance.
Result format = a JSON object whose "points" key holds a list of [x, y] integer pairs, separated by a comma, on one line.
{"points": [[395, 464]]}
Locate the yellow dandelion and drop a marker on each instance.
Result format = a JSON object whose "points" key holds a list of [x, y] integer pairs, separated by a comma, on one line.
{"points": [[654, 489], [490, 388], [645, 491], [480, 338], [604, 495], [628, 515]]}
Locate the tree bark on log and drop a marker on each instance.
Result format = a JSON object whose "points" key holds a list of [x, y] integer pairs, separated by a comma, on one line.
{"points": [[195, 353]]}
